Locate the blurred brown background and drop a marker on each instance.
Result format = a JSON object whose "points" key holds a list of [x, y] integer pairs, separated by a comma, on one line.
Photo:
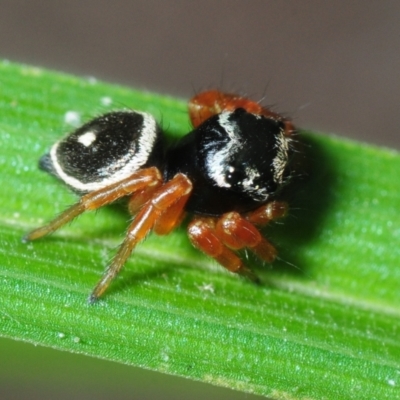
{"points": [[333, 66]]}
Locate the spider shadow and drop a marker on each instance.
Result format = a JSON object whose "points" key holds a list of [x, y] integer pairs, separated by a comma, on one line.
{"points": [[129, 280]]}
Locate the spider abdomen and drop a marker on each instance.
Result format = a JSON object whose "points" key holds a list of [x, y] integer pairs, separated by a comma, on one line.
{"points": [[106, 150]]}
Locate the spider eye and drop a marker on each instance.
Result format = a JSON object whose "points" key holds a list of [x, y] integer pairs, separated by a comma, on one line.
{"points": [[105, 150]]}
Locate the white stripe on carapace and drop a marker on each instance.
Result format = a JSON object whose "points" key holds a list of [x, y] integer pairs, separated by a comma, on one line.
{"points": [[217, 161], [279, 163], [147, 140]]}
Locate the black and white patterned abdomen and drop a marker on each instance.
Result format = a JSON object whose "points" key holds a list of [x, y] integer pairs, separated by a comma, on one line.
{"points": [[105, 150]]}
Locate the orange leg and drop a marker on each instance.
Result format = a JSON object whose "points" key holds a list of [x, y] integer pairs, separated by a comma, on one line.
{"points": [[172, 217], [220, 238], [150, 177], [268, 212], [212, 102], [163, 198], [137, 201], [238, 233], [203, 235]]}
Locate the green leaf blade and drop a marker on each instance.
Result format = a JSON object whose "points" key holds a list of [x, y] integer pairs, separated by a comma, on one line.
{"points": [[324, 324]]}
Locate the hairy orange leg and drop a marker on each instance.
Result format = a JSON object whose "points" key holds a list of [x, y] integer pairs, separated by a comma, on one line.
{"points": [[169, 220], [96, 199], [139, 198], [238, 233], [202, 234], [268, 212], [212, 102], [163, 198], [172, 217]]}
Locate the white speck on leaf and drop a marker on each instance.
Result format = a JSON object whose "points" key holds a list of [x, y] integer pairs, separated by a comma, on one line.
{"points": [[72, 118]]}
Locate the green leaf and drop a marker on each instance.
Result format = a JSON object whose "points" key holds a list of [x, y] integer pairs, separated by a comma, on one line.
{"points": [[324, 323]]}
